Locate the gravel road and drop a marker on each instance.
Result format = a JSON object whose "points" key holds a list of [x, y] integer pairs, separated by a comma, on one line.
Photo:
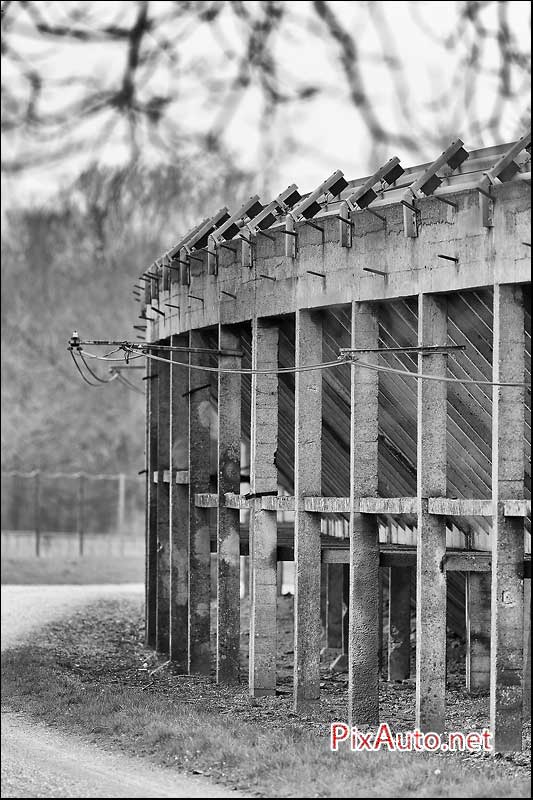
{"points": [[38, 761]]}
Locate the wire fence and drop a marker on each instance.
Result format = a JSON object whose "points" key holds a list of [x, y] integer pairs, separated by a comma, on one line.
{"points": [[78, 504]]}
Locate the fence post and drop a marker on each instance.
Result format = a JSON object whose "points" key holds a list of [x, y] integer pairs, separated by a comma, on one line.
{"points": [[80, 518], [36, 511]]}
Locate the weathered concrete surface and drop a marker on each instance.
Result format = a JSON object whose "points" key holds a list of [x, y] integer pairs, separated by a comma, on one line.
{"points": [[507, 609], [431, 532], [412, 264], [228, 525], [163, 507], [151, 503], [179, 507], [263, 524], [307, 480], [363, 644], [199, 539]]}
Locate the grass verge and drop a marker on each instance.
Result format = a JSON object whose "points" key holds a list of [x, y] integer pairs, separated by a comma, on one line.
{"points": [[91, 675]]}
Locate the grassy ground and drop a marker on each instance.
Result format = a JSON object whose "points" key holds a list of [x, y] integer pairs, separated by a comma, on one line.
{"points": [[67, 570], [93, 676]]}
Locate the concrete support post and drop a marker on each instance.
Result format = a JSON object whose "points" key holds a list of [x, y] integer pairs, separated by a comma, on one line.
{"points": [[363, 692], [163, 506], [151, 503], [263, 524], [199, 538], [179, 509], [307, 481], [507, 608], [477, 608], [399, 649], [228, 526], [431, 531], [526, 681]]}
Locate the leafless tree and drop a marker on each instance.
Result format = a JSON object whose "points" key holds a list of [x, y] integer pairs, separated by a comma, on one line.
{"points": [[135, 73]]}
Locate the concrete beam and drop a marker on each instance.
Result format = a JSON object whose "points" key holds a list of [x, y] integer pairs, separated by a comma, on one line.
{"points": [[444, 506], [228, 525], [413, 267], [281, 503], [163, 508], [507, 608], [179, 512], [307, 479], [206, 500], [263, 524], [233, 500], [431, 529], [199, 544], [517, 508], [363, 693]]}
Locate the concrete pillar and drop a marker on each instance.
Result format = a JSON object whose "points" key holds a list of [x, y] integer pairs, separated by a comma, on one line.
{"points": [[199, 539], [307, 482], [399, 645], [477, 608], [179, 508], [363, 692], [163, 506], [228, 526], [431, 532], [526, 682], [151, 503], [334, 606], [507, 611], [263, 524]]}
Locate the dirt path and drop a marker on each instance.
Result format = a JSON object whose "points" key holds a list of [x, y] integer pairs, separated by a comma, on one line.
{"points": [[37, 761]]}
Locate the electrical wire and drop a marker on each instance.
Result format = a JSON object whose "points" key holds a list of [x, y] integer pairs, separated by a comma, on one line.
{"points": [[311, 367], [280, 370], [93, 374], [104, 358], [84, 378], [338, 363], [380, 368]]}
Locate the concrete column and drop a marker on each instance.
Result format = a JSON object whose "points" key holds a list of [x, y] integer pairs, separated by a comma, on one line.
{"points": [[199, 539], [179, 508], [334, 606], [399, 649], [507, 610], [431, 533], [263, 524], [526, 682], [477, 608], [307, 481], [151, 503], [228, 526], [163, 506], [363, 693]]}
